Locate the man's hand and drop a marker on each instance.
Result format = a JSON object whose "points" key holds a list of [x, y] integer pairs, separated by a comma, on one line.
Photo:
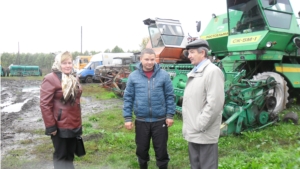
{"points": [[128, 125], [169, 122], [54, 133]]}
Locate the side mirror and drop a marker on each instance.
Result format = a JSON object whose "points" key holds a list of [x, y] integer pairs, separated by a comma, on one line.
{"points": [[198, 26], [272, 2]]}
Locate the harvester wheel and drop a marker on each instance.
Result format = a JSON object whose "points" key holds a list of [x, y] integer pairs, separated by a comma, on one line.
{"points": [[291, 116], [280, 92]]}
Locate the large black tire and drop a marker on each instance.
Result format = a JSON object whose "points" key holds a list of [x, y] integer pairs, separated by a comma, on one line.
{"points": [[281, 90], [89, 79]]}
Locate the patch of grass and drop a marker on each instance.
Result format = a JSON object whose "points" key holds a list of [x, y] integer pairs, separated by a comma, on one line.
{"points": [[10, 162], [44, 150], [39, 132], [87, 125], [96, 91], [276, 146], [28, 141], [20, 78]]}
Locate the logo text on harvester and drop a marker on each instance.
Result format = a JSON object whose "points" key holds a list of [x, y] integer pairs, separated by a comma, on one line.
{"points": [[249, 39]]}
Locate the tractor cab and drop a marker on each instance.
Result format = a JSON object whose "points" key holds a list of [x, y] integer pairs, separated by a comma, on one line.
{"points": [[262, 25], [167, 39], [257, 15]]}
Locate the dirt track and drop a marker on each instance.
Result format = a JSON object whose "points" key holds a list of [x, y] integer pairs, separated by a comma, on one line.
{"points": [[21, 115]]}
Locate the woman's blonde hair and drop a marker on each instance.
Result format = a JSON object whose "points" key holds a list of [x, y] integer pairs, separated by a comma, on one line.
{"points": [[66, 55]]}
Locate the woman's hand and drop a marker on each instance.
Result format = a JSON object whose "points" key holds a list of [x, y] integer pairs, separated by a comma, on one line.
{"points": [[54, 133]]}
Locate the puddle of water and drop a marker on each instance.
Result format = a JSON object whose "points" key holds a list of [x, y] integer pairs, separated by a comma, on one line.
{"points": [[3, 88], [30, 88], [14, 107], [5, 104]]}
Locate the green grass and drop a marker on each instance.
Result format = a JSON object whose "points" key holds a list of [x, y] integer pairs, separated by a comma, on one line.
{"points": [[109, 145], [19, 78], [276, 146], [94, 90]]}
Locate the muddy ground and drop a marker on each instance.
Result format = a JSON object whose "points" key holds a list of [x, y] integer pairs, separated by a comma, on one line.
{"points": [[21, 115]]}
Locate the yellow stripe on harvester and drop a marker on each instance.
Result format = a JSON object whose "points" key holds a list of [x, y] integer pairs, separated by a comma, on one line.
{"points": [[287, 69]]}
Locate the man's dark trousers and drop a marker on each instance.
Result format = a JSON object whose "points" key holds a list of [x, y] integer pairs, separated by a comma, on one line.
{"points": [[158, 131]]}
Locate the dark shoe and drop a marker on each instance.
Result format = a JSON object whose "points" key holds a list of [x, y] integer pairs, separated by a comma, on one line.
{"points": [[143, 166]]}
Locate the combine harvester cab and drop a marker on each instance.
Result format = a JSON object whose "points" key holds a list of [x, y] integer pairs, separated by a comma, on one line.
{"points": [[257, 47], [168, 41]]}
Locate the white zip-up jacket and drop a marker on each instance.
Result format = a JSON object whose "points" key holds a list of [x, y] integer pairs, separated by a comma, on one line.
{"points": [[203, 102]]}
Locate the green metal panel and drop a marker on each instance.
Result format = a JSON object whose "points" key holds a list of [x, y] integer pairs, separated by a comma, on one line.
{"points": [[216, 33], [291, 72]]}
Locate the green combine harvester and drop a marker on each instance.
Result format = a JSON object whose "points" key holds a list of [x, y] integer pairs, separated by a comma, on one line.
{"points": [[256, 44]]}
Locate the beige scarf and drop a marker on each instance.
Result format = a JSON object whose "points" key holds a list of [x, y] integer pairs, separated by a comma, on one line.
{"points": [[68, 82]]}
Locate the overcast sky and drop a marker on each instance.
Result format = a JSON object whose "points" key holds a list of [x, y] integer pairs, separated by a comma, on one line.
{"points": [[51, 26]]}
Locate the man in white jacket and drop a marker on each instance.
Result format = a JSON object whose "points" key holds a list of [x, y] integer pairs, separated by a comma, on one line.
{"points": [[202, 107]]}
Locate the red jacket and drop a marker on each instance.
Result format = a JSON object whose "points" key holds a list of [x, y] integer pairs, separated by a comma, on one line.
{"points": [[65, 118]]}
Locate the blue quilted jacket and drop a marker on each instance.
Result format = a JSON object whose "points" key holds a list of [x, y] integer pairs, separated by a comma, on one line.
{"points": [[150, 99]]}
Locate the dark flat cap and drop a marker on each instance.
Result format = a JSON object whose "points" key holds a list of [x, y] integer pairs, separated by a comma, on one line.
{"points": [[197, 43]]}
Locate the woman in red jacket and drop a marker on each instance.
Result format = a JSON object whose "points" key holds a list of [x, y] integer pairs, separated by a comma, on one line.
{"points": [[60, 106]]}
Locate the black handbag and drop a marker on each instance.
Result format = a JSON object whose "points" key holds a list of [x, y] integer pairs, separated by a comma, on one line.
{"points": [[80, 150]]}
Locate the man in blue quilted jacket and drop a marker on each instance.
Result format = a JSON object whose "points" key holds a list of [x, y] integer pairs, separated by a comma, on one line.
{"points": [[149, 94]]}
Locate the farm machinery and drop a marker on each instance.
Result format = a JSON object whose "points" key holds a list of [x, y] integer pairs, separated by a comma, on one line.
{"points": [[256, 45], [3, 73], [23, 70], [114, 76]]}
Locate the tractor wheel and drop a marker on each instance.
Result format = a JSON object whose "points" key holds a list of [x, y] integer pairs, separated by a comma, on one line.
{"points": [[291, 116], [280, 92], [89, 79]]}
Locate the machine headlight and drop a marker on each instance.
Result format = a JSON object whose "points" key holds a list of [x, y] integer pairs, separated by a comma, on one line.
{"points": [[297, 42], [269, 44]]}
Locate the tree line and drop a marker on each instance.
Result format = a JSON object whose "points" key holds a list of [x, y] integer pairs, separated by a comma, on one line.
{"points": [[45, 60]]}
